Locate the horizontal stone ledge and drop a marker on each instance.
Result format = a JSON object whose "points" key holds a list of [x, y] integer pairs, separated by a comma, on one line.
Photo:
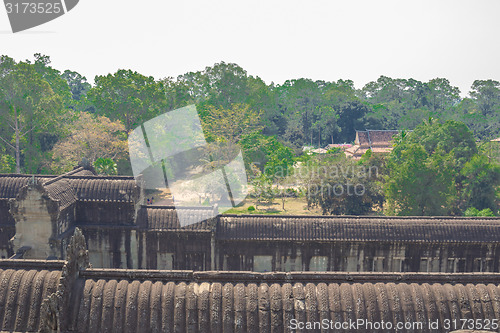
{"points": [[32, 264], [287, 277]]}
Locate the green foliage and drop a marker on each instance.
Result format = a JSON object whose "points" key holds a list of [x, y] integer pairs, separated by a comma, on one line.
{"points": [[271, 156], [7, 164], [49, 120], [435, 170], [251, 208], [472, 211], [262, 189], [341, 186], [481, 181], [77, 83], [418, 184], [105, 166], [29, 106], [351, 117], [127, 96], [229, 124]]}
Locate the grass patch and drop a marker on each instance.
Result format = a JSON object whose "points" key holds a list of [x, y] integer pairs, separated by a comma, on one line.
{"points": [[293, 206]]}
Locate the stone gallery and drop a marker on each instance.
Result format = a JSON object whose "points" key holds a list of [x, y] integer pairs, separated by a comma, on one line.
{"points": [[85, 253]]}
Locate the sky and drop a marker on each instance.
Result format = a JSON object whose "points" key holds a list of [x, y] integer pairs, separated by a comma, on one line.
{"points": [[274, 39]]}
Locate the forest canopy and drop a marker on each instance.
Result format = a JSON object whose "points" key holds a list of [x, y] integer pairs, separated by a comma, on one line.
{"points": [[50, 118]]}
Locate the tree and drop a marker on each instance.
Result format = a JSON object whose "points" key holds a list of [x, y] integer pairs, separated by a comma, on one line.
{"points": [[326, 124], [53, 77], [105, 166], [297, 101], [7, 164], [28, 106], [351, 119], [262, 189], [476, 212], [339, 185], [486, 93], [279, 159], [230, 124], [269, 155], [418, 184], [443, 95], [127, 96], [77, 83], [91, 137], [436, 170], [481, 181]]}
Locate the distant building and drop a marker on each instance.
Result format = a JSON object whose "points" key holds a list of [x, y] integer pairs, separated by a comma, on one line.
{"points": [[342, 146], [378, 141], [311, 150], [319, 151]]}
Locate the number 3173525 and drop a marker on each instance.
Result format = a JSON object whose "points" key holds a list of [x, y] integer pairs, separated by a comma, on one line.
{"points": [[33, 8]]}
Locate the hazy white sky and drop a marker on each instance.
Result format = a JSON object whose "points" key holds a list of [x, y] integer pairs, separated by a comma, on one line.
{"points": [[276, 40]]}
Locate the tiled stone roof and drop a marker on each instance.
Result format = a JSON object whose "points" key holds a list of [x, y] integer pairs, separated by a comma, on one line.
{"points": [[381, 138], [62, 192], [94, 188], [11, 184], [85, 185], [379, 141], [165, 217], [358, 228], [23, 286], [155, 301], [71, 297]]}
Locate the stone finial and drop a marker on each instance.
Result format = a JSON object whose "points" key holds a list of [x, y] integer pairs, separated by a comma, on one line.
{"points": [[77, 255], [53, 314]]}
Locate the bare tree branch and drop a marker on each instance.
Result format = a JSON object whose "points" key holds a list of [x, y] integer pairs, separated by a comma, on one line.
{"points": [[11, 146], [28, 131]]}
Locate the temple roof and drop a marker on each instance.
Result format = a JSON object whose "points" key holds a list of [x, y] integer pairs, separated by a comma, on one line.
{"points": [[62, 192], [375, 137], [154, 301], [85, 185], [11, 184], [23, 287], [379, 141], [165, 217], [72, 297], [95, 188], [358, 228]]}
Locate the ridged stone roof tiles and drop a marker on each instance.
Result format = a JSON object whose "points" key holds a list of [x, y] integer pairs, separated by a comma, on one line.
{"points": [[381, 137], [62, 192], [362, 137], [95, 188], [22, 290], [358, 228], [165, 217], [248, 303], [11, 184]]}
